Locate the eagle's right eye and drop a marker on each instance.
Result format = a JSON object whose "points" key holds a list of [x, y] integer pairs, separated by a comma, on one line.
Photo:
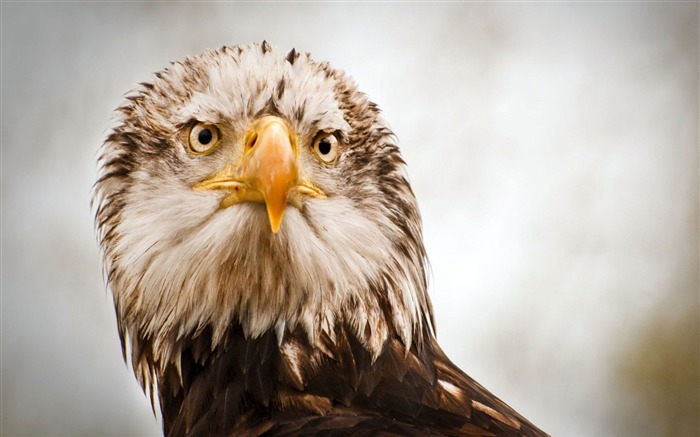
{"points": [[204, 137]]}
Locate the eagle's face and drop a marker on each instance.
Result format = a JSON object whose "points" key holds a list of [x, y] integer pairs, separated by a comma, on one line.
{"points": [[254, 186]]}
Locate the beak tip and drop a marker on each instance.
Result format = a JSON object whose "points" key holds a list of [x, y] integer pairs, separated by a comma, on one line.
{"points": [[275, 218], [275, 227]]}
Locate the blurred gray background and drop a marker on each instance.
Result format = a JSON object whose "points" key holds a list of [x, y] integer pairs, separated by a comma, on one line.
{"points": [[553, 148]]}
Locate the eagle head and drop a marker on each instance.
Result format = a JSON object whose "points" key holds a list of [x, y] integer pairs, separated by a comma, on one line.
{"points": [[258, 187]]}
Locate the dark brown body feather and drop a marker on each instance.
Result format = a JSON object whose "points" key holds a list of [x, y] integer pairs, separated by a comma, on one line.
{"points": [[249, 387]]}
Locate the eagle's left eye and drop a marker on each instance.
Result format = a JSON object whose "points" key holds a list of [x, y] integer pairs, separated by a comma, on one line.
{"points": [[203, 138], [326, 147]]}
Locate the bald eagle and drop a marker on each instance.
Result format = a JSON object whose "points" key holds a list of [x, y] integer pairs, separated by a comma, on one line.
{"points": [[264, 250]]}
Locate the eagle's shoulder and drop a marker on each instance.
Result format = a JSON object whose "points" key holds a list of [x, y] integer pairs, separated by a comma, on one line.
{"points": [[264, 386]]}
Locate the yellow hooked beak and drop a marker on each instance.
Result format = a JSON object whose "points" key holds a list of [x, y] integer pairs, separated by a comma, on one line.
{"points": [[267, 172]]}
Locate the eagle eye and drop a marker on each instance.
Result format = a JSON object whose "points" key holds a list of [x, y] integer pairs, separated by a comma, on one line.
{"points": [[203, 138], [326, 147]]}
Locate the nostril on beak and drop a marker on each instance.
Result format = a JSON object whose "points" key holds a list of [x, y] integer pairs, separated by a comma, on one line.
{"points": [[253, 140]]}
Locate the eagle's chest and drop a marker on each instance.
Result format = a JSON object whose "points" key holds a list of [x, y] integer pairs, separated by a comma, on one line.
{"points": [[245, 382]]}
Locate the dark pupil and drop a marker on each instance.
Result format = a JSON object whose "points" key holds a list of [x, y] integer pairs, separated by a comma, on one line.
{"points": [[324, 147], [204, 136]]}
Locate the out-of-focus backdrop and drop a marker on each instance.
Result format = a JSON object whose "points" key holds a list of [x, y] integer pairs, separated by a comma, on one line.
{"points": [[553, 148]]}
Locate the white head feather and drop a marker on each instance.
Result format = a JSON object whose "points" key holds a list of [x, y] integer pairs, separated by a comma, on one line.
{"points": [[178, 264]]}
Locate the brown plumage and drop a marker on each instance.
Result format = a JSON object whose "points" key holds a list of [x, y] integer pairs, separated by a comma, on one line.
{"points": [[264, 250]]}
